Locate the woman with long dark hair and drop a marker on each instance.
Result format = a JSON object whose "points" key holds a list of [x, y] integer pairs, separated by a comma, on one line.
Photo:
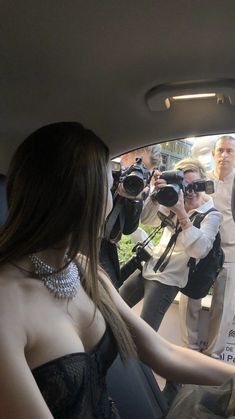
{"points": [[62, 323]]}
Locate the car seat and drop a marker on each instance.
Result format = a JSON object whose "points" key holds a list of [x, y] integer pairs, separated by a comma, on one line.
{"points": [[135, 391]]}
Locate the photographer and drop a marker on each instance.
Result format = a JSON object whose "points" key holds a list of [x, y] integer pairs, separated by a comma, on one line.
{"points": [[128, 195], [161, 287]]}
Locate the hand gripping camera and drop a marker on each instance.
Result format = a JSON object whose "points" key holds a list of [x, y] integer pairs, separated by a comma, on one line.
{"points": [[134, 178], [168, 196], [142, 254]]}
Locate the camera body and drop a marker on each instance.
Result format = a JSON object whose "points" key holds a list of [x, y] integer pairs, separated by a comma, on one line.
{"points": [[142, 254], [134, 178], [168, 196]]}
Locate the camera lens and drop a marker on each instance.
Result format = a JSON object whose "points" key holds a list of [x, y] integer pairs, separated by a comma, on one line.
{"points": [[167, 196], [133, 184]]}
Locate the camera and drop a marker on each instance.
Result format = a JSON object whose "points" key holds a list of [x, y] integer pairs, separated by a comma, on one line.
{"points": [[168, 196], [134, 178], [142, 254]]}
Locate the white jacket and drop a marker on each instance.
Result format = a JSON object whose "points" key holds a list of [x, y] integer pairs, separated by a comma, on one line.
{"points": [[191, 242]]}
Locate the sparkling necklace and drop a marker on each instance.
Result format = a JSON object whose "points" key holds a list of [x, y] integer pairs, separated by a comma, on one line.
{"points": [[63, 284]]}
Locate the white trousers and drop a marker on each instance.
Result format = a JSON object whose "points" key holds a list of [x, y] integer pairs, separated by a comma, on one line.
{"points": [[221, 314]]}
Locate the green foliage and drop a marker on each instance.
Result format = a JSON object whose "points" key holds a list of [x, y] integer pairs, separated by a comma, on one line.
{"points": [[126, 244], [125, 247], [149, 229]]}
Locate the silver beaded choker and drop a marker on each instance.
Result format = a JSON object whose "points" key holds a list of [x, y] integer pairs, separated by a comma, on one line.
{"points": [[63, 284]]}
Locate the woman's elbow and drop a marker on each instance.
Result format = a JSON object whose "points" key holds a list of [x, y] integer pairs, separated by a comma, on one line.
{"points": [[202, 252]]}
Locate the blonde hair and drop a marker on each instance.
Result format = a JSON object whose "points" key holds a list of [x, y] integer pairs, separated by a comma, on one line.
{"points": [[191, 165]]}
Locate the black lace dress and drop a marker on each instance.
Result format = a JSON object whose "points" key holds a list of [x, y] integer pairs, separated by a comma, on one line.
{"points": [[74, 385]]}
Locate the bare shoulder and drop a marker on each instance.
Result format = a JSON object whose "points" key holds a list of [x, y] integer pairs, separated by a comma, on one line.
{"points": [[17, 294], [11, 310], [12, 288], [16, 400]]}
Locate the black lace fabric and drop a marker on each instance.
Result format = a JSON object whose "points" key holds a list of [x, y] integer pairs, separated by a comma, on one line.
{"points": [[74, 386]]}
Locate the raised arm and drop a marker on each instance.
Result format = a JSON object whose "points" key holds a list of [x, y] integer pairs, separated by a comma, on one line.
{"points": [[151, 207], [149, 213], [170, 361], [198, 242]]}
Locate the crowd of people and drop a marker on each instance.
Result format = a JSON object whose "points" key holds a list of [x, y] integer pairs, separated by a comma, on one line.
{"points": [[62, 321], [159, 288]]}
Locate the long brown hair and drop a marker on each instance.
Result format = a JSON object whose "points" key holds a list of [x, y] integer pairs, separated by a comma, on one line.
{"points": [[57, 188]]}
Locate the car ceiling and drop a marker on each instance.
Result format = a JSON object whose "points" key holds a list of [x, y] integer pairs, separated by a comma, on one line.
{"points": [[95, 61]]}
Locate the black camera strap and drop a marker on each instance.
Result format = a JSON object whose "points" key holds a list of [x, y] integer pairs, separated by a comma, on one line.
{"points": [[165, 220], [151, 236], [115, 213], [170, 247]]}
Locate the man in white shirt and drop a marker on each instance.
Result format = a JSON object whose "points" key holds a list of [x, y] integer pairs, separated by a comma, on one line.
{"points": [[223, 300]]}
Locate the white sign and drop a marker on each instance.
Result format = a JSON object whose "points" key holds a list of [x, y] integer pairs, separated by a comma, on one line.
{"points": [[229, 353]]}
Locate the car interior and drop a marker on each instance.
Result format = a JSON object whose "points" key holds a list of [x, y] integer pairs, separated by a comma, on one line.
{"points": [[136, 73]]}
